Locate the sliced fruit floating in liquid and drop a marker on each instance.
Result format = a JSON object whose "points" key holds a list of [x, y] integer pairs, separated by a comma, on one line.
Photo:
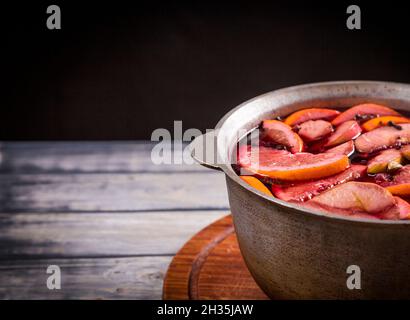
{"points": [[289, 186]]}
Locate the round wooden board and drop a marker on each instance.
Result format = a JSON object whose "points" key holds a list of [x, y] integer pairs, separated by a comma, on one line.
{"points": [[210, 266]]}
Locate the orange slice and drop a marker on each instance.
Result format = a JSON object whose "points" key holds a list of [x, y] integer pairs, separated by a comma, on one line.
{"points": [[311, 114], [256, 183], [303, 191], [290, 167], [402, 189], [383, 121], [280, 133], [364, 109]]}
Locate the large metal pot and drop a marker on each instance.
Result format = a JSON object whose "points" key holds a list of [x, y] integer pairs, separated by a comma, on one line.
{"points": [[294, 253]]}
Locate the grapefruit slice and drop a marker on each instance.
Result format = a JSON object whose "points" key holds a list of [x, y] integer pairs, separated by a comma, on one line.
{"points": [[282, 165], [304, 191], [346, 148], [346, 131], [364, 110], [387, 160], [382, 138], [383, 121], [280, 133], [311, 114], [355, 197], [256, 183], [314, 130]]}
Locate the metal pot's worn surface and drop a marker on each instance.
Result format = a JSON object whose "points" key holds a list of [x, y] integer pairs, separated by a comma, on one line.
{"points": [[294, 256], [297, 253]]}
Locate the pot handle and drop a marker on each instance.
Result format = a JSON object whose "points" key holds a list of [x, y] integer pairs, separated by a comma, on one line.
{"points": [[203, 150]]}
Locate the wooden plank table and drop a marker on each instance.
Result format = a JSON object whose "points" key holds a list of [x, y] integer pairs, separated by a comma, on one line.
{"points": [[103, 212]]}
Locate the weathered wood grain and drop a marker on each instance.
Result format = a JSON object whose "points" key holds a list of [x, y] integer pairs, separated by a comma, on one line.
{"points": [[112, 192], [104, 278], [65, 235], [102, 211], [210, 267], [113, 156]]}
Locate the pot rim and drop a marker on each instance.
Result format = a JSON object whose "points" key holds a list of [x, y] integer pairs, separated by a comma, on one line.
{"points": [[227, 169]]}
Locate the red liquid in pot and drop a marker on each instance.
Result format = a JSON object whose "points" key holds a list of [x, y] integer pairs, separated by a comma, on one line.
{"points": [[354, 163]]}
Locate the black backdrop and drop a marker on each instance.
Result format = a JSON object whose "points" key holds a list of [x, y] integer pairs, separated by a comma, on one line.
{"points": [[119, 70]]}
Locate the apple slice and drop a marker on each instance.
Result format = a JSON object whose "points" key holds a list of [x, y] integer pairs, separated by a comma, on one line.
{"points": [[405, 151], [282, 165], [304, 191], [399, 184], [400, 177], [280, 133], [403, 208], [364, 109], [314, 130], [346, 148], [382, 138], [311, 114], [355, 197], [383, 121], [387, 160], [348, 130]]}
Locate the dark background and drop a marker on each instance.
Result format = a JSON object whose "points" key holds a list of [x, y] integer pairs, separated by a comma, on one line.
{"points": [[119, 71]]}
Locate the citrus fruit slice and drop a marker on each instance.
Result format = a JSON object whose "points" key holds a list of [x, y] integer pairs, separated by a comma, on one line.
{"points": [[364, 110], [346, 148], [281, 165], [311, 114], [402, 189], [280, 133], [382, 138], [387, 160], [383, 121], [312, 130], [256, 183], [304, 191], [346, 131]]}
